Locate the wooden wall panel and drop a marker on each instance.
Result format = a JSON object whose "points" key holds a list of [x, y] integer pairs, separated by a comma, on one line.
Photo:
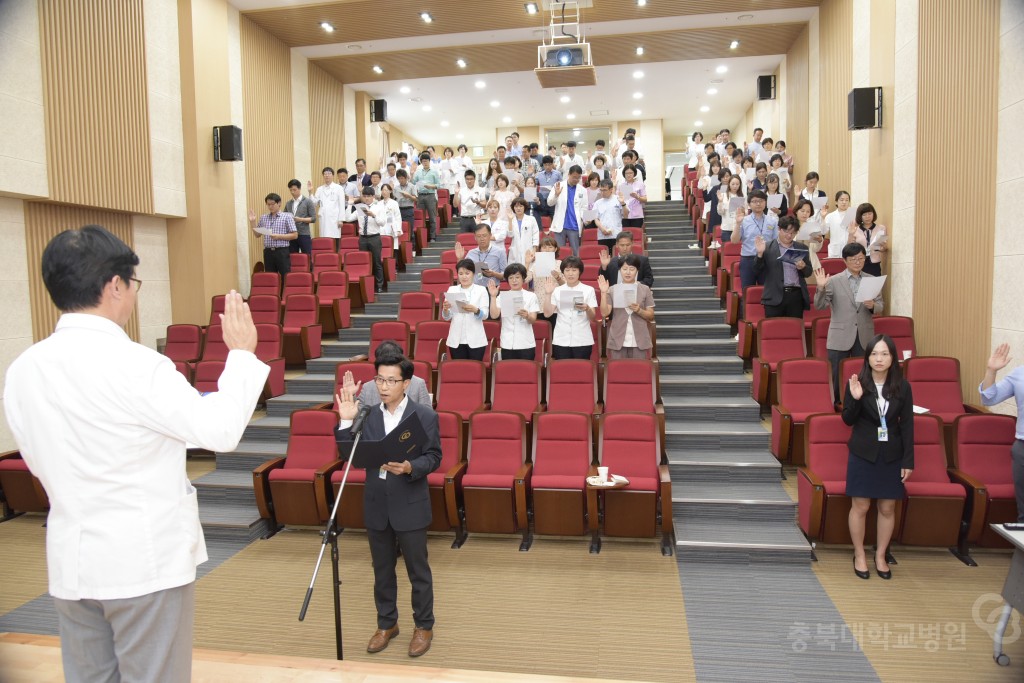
{"points": [[797, 102], [836, 74], [326, 122], [45, 221], [267, 121], [881, 140], [958, 90], [94, 87]]}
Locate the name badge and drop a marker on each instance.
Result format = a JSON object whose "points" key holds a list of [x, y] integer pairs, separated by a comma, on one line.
{"points": [[883, 434], [383, 473]]}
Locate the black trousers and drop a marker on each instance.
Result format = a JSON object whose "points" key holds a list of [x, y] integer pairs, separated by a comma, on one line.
{"points": [[792, 305], [276, 260], [371, 243], [303, 244], [519, 354], [384, 552], [467, 224], [466, 352], [632, 222], [408, 215], [577, 352], [610, 243], [836, 358]]}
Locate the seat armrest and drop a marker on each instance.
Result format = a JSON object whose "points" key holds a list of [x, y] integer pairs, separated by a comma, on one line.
{"points": [[452, 484], [665, 482], [521, 484], [811, 477], [322, 488], [10, 454], [817, 501], [261, 486], [592, 507], [976, 409], [976, 509]]}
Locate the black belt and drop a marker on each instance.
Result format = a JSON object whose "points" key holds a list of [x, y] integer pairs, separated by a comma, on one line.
{"points": [[791, 289], [376, 234], [274, 248]]}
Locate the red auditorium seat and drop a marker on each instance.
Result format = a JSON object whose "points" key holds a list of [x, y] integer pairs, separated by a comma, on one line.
{"points": [[332, 296], [543, 333], [562, 453], [184, 346], [414, 307], [325, 261], [572, 387], [297, 283], [819, 338], [362, 371], [446, 512], [935, 381], [804, 387], [449, 259], [753, 313], [497, 477], [630, 446], [215, 352], [833, 266], [812, 314], [347, 245], [270, 349], [20, 490], [265, 309], [265, 283], [322, 245], [302, 330], [299, 263], [934, 505], [216, 308], [982, 462], [462, 387], [516, 388], [387, 256], [287, 488], [389, 330], [631, 385], [901, 329], [592, 252], [361, 287], [436, 281], [466, 239], [429, 341], [777, 339]]}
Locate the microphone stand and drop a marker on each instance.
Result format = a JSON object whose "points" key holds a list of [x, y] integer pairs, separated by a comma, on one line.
{"points": [[330, 536]]}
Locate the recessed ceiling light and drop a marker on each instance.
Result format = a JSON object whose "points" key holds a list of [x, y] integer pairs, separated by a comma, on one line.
{"points": [[698, 123], [425, 16], [564, 99], [570, 116], [427, 107], [599, 112], [459, 136], [507, 119], [480, 85], [531, 7], [712, 91], [734, 44], [638, 74], [461, 63], [377, 69], [638, 95], [722, 69], [705, 109], [405, 90], [639, 50], [327, 27], [641, 3], [575, 133], [637, 112], [444, 124], [495, 103]]}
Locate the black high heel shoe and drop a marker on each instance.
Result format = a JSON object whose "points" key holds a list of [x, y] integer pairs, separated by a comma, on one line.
{"points": [[883, 575], [861, 574]]}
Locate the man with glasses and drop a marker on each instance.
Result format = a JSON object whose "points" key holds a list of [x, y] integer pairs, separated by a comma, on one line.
{"points": [[278, 230], [369, 395], [851, 326], [396, 503], [783, 266]]}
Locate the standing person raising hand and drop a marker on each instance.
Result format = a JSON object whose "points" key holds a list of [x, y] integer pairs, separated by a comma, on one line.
{"points": [[992, 393]]}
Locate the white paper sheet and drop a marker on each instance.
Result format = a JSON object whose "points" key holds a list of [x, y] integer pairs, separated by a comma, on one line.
{"points": [[263, 231], [543, 264], [807, 230], [569, 299], [623, 295], [736, 203], [819, 202], [848, 217], [511, 303], [457, 300], [878, 240], [588, 215], [530, 194], [751, 173], [870, 287], [775, 201]]}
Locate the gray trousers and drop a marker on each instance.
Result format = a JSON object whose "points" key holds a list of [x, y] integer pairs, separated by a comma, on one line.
{"points": [[570, 238], [428, 203], [147, 639], [1018, 476]]}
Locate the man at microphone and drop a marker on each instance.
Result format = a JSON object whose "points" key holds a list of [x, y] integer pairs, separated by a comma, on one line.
{"points": [[396, 502]]}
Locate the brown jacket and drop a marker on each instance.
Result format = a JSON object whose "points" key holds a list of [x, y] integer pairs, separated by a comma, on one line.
{"points": [[620, 316]]}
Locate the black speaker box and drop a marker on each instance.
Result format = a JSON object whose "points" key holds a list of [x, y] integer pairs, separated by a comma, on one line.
{"points": [[227, 143], [766, 87], [865, 108], [378, 111]]}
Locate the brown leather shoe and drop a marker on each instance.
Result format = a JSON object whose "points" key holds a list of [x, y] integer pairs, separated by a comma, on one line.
{"points": [[380, 638], [420, 643]]}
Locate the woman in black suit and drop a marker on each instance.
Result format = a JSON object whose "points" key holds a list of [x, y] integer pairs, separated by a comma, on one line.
{"points": [[880, 408]]}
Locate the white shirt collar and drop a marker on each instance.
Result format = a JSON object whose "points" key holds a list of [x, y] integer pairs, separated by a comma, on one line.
{"points": [[92, 322], [399, 411]]}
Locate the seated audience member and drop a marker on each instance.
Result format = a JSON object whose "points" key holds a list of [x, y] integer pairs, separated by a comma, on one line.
{"points": [[838, 234], [609, 211], [471, 201], [525, 232], [467, 339], [488, 256], [282, 229], [785, 281], [610, 265], [852, 325], [368, 394], [994, 393], [775, 189], [755, 225], [517, 338], [865, 232], [628, 334], [576, 305]]}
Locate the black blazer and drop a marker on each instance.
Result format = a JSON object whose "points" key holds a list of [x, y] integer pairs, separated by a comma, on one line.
{"points": [[402, 500], [863, 416], [771, 266], [644, 275]]}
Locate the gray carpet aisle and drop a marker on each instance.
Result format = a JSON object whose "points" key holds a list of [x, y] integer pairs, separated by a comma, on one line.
{"points": [[745, 568]]}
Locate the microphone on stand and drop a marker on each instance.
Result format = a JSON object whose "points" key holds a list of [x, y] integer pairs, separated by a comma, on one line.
{"points": [[357, 424]]}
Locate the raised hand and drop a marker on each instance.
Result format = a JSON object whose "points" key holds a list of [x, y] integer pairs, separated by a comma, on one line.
{"points": [[348, 380], [821, 277], [558, 189], [460, 251], [549, 285], [492, 287], [1000, 358], [602, 283], [530, 258], [759, 245], [309, 186], [856, 390], [346, 402], [605, 257], [237, 327], [252, 216]]}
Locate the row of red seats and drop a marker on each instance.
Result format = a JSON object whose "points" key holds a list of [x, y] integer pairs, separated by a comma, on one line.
{"points": [[200, 355], [493, 477], [952, 496]]}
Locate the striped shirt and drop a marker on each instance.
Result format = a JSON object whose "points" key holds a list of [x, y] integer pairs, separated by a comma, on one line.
{"points": [[279, 224]]}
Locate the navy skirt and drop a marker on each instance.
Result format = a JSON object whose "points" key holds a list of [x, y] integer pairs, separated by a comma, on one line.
{"points": [[878, 479]]}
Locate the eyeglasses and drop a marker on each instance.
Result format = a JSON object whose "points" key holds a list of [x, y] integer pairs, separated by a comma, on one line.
{"points": [[389, 381], [855, 259], [137, 282]]}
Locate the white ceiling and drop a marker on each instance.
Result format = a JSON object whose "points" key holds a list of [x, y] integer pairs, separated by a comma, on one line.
{"points": [[672, 91]]}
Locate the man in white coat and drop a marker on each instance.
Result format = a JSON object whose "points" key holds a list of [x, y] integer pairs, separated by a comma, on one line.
{"points": [[103, 422], [569, 201], [330, 201]]}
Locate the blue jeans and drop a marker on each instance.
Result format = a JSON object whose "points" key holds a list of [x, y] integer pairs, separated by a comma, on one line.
{"points": [[748, 276], [570, 237]]}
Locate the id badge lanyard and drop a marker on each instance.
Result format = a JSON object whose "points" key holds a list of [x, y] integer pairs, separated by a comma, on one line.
{"points": [[883, 430]]}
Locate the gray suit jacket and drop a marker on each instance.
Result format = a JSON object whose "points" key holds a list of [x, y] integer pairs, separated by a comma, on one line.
{"points": [[850, 320], [417, 393], [305, 209]]}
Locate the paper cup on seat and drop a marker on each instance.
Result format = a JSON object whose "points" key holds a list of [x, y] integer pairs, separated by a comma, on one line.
{"points": [[602, 474]]}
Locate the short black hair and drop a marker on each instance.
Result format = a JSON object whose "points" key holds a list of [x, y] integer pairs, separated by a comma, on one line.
{"points": [[624, 235], [852, 249], [500, 147], [514, 269], [787, 222], [272, 197], [571, 144], [759, 129], [294, 183], [547, 160], [466, 264], [463, 147], [368, 191], [572, 262], [77, 264], [360, 159], [341, 170], [326, 170], [519, 201], [482, 226], [607, 182], [404, 365], [470, 173], [402, 173], [425, 156], [812, 175], [575, 168], [388, 348], [600, 142], [630, 131], [632, 260], [757, 194], [374, 173]]}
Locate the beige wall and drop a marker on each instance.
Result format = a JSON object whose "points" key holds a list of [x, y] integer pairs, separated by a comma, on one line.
{"points": [[16, 332], [163, 92], [904, 167], [300, 117], [796, 103], [23, 144]]}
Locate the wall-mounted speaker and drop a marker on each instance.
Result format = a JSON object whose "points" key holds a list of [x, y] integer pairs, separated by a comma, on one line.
{"points": [[766, 87], [227, 143], [378, 111], [864, 108]]}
